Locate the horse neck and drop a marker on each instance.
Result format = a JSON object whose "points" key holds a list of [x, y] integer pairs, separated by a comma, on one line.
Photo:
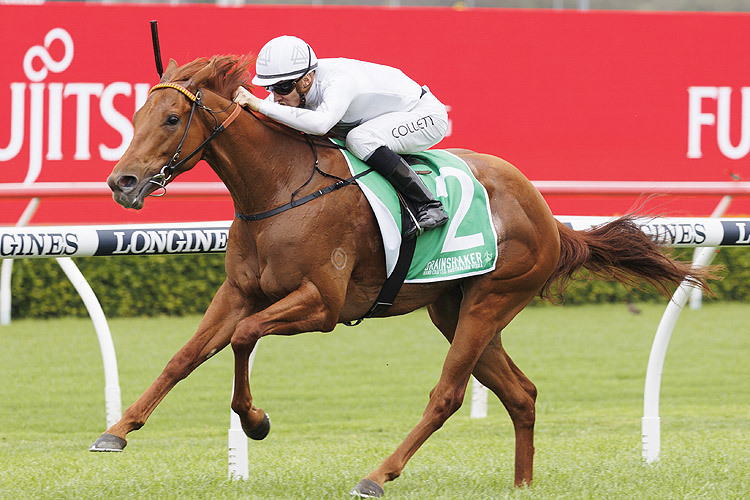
{"points": [[260, 164]]}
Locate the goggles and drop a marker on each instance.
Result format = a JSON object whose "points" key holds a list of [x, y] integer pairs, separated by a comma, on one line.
{"points": [[283, 88]]}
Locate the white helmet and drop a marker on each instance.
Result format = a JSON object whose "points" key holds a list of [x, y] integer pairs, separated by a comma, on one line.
{"points": [[283, 58]]}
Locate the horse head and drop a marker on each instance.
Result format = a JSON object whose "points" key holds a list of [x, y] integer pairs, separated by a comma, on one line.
{"points": [[168, 134]]}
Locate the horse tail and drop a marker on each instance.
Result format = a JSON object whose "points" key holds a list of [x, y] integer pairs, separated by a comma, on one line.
{"points": [[620, 251]]}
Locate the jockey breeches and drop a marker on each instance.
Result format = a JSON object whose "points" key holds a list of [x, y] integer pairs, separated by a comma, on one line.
{"points": [[402, 132]]}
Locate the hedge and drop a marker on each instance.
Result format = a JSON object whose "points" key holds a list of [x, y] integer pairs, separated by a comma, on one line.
{"points": [[126, 286], [184, 284]]}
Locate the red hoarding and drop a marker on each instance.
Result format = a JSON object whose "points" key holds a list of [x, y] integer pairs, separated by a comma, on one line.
{"points": [[563, 95]]}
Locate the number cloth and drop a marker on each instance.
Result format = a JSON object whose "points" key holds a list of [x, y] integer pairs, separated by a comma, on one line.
{"points": [[465, 246]]}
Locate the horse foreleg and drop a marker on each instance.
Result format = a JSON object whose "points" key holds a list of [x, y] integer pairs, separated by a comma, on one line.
{"points": [[227, 308], [301, 311]]}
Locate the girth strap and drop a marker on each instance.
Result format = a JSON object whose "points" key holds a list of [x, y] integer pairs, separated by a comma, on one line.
{"points": [[393, 283]]}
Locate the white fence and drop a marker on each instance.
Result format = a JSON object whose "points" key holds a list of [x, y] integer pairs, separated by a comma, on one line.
{"points": [[211, 237], [64, 242]]}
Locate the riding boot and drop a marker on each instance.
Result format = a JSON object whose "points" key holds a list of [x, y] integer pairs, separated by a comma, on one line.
{"points": [[430, 213]]}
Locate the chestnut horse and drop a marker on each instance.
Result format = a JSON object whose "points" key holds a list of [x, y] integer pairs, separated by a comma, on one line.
{"points": [[270, 290]]}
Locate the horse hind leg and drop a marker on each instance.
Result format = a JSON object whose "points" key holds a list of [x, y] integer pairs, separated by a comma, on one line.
{"points": [[481, 315], [497, 372]]}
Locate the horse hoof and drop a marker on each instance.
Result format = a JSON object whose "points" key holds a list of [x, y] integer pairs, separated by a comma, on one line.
{"points": [[108, 442], [367, 488], [261, 431]]}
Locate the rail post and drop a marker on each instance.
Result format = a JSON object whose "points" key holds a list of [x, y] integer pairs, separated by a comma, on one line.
{"points": [[239, 466], [6, 270], [651, 422]]}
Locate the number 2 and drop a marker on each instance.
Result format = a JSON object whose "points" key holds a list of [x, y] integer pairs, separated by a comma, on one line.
{"points": [[452, 242]]}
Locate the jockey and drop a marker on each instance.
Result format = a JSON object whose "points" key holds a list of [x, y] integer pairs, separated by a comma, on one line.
{"points": [[379, 110]]}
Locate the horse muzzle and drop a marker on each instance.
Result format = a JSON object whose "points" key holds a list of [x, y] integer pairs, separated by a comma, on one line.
{"points": [[128, 190]]}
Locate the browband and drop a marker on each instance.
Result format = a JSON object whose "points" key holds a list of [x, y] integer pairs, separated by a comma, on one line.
{"points": [[179, 88]]}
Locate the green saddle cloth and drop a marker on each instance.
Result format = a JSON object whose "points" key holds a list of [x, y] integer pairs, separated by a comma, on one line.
{"points": [[465, 246]]}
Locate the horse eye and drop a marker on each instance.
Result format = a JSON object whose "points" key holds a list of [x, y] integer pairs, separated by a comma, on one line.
{"points": [[172, 120]]}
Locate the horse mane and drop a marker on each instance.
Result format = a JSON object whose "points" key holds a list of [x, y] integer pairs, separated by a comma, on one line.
{"points": [[231, 71]]}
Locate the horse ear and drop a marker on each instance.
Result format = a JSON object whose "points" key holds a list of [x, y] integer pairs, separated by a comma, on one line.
{"points": [[201, 76], [171, 67]]}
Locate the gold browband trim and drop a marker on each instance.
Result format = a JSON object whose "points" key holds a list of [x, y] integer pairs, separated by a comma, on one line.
{"points": [[179, 88]]}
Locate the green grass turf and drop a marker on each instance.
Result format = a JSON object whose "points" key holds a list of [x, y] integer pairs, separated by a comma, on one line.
{"points": [[342, 402]]}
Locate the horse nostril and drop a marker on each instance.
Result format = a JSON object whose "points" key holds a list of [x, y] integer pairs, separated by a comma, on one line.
{"points": [[127, 182]]}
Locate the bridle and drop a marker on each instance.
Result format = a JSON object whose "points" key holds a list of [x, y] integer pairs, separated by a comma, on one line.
{"points": [[166, 172]]}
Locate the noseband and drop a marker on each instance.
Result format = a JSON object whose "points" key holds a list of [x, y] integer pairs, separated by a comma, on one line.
{"points": [[165, 174]]}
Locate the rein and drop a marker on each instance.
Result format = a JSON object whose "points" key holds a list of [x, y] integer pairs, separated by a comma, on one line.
{"points": [[166, 172], [305, 199], [310, 197]]}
